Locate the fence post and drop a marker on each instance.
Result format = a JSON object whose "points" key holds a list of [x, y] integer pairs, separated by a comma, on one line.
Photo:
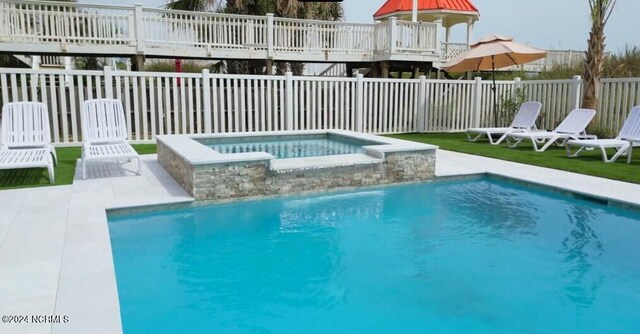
{"points": [[477, 103], [393, 32], [516, 86], [359, 103], [35, 62], [108, 82], [422, 104], [289, 99], [576, 87], [270, 30], [206, 96], [138, 26]]}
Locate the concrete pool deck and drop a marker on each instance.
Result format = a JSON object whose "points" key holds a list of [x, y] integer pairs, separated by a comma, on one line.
{"points": [[55, 254]]}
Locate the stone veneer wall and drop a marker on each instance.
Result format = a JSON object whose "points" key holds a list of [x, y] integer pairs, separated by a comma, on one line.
{"points": [[177, 166], [245, 179]]}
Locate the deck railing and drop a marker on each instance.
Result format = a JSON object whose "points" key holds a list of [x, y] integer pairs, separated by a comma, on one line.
{"points": [[58, 27], [452, 50]]}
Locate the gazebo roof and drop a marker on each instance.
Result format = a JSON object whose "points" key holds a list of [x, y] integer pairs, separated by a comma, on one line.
{"points": [[450, 11]]}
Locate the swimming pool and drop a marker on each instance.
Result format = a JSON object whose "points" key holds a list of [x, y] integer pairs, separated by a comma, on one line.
{"points": [[284, 148], [472, 256]]}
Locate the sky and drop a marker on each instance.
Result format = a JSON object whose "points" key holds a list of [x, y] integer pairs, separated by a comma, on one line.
{"points": [[547, 24]]}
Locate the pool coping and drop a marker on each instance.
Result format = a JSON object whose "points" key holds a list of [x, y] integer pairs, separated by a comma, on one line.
{"points": [[196, 153], [69, 269], [207, 174], [606, 201]]}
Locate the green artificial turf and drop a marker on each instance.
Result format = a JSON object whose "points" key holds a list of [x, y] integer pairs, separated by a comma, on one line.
{"points": [[589, 162], [64, 171]]}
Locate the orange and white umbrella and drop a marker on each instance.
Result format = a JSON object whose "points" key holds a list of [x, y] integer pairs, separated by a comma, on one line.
{"points": [[491, 52]]}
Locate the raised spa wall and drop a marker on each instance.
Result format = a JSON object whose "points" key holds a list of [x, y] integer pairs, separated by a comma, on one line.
{"points": [[208, 175]]}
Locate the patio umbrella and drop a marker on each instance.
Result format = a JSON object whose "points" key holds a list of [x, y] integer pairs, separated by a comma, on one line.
{"points": [[491, 52]]}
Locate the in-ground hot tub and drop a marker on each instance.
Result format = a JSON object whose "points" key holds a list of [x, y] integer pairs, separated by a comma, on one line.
{"points": [[222, 166]]}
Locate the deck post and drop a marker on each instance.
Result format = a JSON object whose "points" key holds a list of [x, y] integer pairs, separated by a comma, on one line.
{"points": [[35, 62], [270, 31], [415, 71], [249, 33], [438, 42], [108, 82], [206, 97], [575, 92], [476, 108], [137, 63], [289, 98], [385, 69], [422, 105], [359, 103], [139, 30], [469, 31], [393, 34], [268, 67], [414, 11]]}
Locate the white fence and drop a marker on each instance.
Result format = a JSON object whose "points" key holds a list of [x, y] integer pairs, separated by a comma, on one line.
{"points": [[617, 97], [188, 103]]}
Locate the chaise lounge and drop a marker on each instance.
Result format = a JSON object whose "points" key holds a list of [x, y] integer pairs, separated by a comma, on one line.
{"points": [[26, 138], [623, 144], [572, 127], [104, 133], [525, 120]]}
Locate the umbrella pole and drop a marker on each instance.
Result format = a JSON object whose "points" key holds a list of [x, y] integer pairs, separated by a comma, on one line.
{"points": [[495, 95]]}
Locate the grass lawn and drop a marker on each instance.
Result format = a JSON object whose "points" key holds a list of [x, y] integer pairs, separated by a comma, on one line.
{"points": [[589, 162], [67, 158]]}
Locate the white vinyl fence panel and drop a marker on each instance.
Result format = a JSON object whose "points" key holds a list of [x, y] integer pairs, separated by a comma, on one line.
{"points": [[449, 105], [390, 106], [617, 97], [192, 103], [557, 97]]}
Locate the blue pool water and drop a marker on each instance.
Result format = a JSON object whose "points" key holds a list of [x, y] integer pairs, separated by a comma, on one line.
{"points": [[483, 256], [290, 148]]}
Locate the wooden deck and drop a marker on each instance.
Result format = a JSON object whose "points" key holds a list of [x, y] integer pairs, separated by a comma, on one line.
{"points": [[32, 27]]}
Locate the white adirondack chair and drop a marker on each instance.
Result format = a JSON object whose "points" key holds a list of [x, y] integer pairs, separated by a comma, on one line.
{"points": [[623, 144], [26, 138], [574, 126], [104, 133], [524, 120]]}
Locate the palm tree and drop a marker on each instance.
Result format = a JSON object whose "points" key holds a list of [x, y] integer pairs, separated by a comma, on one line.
{"points": [[193, 5], [600, 12]]}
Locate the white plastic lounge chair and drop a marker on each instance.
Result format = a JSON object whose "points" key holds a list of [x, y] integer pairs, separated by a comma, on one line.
{"points": [[572, 127], [26, 138], [525, 120], [104, 133], [622, 144]]}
